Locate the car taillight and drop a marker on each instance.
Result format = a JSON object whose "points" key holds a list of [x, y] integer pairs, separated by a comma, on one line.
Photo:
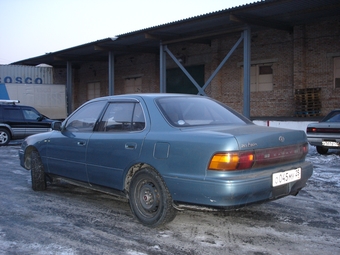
{"points": [[305, 149], [272, 156], [322, 130], [311, 129], [231, 161]]}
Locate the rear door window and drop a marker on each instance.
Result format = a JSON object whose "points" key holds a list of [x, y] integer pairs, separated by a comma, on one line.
{"points": [[122, 117], [13, 114]]}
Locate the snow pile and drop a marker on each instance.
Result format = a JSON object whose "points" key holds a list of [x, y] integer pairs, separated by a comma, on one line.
{"points": [[326, 168]]}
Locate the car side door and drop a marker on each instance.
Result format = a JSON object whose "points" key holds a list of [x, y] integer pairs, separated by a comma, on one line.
{"points": [[35, 122], [116, 144], [14, 118], [66, 152]]}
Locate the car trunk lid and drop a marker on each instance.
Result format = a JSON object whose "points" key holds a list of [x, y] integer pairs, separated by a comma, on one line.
{"points": [[267, 145], [271, 145]]}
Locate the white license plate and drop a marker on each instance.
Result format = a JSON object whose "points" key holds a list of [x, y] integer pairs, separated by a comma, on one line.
{"points": [[329, 143], [286, 177]]}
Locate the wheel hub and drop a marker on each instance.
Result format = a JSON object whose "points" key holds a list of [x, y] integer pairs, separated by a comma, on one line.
{"points": [[148, 197], [3, 137]]}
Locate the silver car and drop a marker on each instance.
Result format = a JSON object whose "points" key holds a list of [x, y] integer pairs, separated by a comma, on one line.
{"points": [[325, 134]]}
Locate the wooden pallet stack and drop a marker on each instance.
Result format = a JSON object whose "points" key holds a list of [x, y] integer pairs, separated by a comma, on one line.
{"points": [[307, 102]]}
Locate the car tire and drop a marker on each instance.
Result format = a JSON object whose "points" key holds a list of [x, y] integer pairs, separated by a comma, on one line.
{"points": [[150, 200], [37, 172], [5, 137], [321, 150]]}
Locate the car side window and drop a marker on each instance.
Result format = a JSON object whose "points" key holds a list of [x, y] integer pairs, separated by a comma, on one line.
{"points": [[30, 114], [138, 120], [122, 116], [85, 118], [14, 114]]}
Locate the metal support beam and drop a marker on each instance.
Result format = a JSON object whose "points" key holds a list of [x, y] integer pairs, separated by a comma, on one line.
{"points": [[69, 86], [111, 73], [246, 71], [223, 62], [246, 37], [162, 69], [200, 90]]}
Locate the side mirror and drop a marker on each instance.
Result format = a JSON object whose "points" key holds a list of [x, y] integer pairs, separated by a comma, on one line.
{"points": [[56, 125], [40, 118]]}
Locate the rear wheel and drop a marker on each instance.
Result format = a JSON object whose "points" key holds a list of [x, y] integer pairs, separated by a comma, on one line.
{"points": [[37, 172], [321, 150], [150, 200], [5, 136]]}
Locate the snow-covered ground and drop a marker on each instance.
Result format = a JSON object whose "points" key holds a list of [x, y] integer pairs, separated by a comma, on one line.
{"points": [[331, 160], [326, 167], [70, 220]]}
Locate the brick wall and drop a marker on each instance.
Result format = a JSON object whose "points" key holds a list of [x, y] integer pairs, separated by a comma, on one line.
{"points": [[322, 45], [301, 59]]}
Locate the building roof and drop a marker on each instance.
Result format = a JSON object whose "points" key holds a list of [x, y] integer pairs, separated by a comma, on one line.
{"points": [[275, 14]]}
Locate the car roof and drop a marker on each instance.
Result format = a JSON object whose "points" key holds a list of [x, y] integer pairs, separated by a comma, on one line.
{"points": [[144, 95]]}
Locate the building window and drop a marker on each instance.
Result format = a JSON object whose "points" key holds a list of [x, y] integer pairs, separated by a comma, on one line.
{"points": [[337, 72], [261, 78], [93, 90], [133, 85]]}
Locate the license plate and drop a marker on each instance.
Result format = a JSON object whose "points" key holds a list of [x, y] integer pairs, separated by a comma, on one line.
{"points": [[286, 177], [330, 143]]}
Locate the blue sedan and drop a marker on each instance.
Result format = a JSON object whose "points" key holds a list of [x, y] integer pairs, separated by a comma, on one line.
{"points": [[165, 152]]}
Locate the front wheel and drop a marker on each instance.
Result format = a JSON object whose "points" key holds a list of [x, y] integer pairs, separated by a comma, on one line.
{"points": [[321, 150], [150, 200], [5, 137], [37, 172]]}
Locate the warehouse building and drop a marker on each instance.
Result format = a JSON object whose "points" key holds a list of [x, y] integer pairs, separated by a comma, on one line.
{"points": [[274, 58]]}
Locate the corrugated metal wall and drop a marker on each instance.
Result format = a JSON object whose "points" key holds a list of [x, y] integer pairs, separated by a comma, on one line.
{"points": [[26, 74]]}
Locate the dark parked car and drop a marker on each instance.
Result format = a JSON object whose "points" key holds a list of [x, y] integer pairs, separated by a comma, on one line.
{"points": [[325, 134], [165, 152], [20, 121]]}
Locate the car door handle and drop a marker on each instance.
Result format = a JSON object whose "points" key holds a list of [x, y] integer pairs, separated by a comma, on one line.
{"points": [[130, 146], [81, 143]]}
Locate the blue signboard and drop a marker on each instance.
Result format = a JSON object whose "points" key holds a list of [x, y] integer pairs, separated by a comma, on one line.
{"points": [[3, 92]]}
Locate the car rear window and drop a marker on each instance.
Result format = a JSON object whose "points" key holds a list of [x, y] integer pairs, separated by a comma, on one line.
{"points": [[332, 117], [197, 111]]}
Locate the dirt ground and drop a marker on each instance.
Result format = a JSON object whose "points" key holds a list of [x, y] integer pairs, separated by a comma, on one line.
{"points": [[69, 220]]}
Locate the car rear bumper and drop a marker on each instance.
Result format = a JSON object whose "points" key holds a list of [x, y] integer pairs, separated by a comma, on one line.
{"points": [[317, 141], [236, 193]]}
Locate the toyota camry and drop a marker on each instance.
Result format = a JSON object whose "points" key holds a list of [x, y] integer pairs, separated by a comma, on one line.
{"points": [[167, 152]]}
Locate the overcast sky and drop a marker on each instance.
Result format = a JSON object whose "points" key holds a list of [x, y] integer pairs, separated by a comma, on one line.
{"points": [[31, 28]]}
